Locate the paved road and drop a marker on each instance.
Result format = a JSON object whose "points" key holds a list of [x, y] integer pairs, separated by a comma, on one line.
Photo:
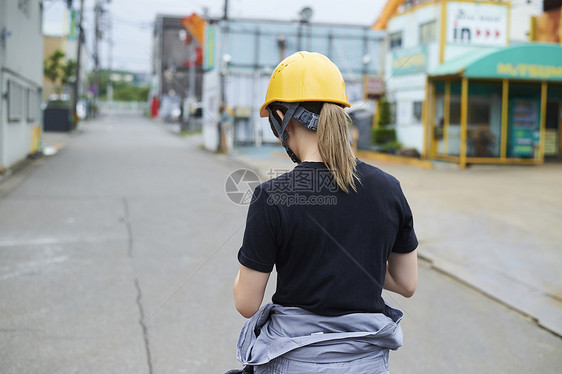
{"points": [[117, 255]]}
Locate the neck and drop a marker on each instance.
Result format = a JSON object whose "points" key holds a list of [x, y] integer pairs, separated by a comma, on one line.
{"points": [[306, 145], [310, 153]]}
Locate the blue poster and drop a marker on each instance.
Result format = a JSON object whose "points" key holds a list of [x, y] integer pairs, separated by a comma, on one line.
{"points": [[524, 128]]}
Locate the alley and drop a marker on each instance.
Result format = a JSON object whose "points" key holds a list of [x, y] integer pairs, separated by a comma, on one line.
{"points": [[117, 255]]}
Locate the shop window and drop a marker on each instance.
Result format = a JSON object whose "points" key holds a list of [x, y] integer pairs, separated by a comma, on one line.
{"points": [[479, 112], [427, 32], [484, 113], [395, 40], [481, 140], [438, 120], [15, 101], [31, 105], [454, 130], [417, 110], [455, 111]]}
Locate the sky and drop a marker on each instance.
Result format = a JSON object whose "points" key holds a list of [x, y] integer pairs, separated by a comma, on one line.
{"points": [[132, 20]]}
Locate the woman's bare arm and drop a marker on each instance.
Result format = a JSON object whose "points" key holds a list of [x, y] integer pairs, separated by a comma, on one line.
{"points": [[402, 273], [249, 288]]}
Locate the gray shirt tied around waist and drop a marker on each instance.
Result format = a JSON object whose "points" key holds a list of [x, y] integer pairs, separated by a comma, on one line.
{"points": [[297, 334]]}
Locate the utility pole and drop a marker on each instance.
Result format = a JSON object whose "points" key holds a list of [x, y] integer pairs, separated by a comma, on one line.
{"points": [[76, 87], [222, 108], [110, 61], [97, 13], [224, 31], [225, 14], [192, 97]]}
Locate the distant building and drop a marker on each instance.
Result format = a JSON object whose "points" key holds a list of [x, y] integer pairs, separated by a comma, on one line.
{"points": [[448, 106], [240, 55], [174, 50], [21, 80]]}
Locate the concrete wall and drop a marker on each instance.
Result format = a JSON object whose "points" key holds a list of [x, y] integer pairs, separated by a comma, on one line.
{"points": [[21, 76]]}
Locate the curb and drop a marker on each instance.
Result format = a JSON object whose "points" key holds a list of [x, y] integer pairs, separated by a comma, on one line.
{"points": [[395, 159], [13, 176], [538, 308], [6, 173]]}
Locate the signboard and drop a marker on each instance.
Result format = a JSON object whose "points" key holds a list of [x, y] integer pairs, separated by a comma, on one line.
{"points": [[374, 87], [477, 24], [524, 61], [196, 27], [524, 128], [210, 48], [409, 60], [530, 71], [72, 26]]}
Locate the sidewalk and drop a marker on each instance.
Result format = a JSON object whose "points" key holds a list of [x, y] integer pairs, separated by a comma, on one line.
{"points": [[58, 140], [495, 228]]}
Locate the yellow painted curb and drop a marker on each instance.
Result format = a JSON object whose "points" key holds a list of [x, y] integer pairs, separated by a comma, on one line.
{"points": [[385, 157]]}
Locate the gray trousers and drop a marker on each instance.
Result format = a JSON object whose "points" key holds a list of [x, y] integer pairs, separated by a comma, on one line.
{"points": [[376, 364]]}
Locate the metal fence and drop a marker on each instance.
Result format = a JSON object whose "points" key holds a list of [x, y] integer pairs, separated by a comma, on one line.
{"points": [[125, 106]]}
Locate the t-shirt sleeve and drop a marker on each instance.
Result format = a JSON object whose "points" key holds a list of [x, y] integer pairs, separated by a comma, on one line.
{"points": [[406, 240], [259, 247]]}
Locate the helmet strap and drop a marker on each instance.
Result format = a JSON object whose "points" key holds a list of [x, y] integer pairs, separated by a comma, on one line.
{"points": [[280, 127], [307, 118]]}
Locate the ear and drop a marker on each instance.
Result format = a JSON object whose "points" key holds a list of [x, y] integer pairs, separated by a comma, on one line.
{"points": [[280, 114], [289, 129]]}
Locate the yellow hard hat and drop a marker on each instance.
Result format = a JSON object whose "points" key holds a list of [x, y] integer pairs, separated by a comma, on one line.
{"points": [[305, 76]]}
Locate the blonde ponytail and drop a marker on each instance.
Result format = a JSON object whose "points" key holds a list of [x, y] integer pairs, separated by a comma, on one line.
{"points": [[334, 147]]}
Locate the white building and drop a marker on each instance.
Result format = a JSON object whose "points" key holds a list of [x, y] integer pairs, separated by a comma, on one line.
{"points": [[21, 79], [425, 34], [240, 55]]}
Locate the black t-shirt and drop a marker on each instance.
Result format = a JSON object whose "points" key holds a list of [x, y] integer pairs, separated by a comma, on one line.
{"points": [[329, 247]]}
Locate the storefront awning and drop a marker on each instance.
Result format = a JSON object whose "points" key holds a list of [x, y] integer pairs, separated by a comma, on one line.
{"points": [[536, 62]]}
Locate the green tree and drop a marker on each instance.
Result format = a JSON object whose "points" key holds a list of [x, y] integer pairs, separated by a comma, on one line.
{"points": [[384, 118], [68, 72], [384, 135], [103, 77], [130, 93], [52, 68], [59, 72], [122, 90]]}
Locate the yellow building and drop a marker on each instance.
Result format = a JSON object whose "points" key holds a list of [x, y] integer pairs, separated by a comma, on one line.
{"points": [[500, 106], [460, 81]]}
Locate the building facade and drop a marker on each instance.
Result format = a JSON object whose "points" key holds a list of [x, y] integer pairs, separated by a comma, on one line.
{"points": [[425, 39], [21, 79], [240, 55], [174, 52]]}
